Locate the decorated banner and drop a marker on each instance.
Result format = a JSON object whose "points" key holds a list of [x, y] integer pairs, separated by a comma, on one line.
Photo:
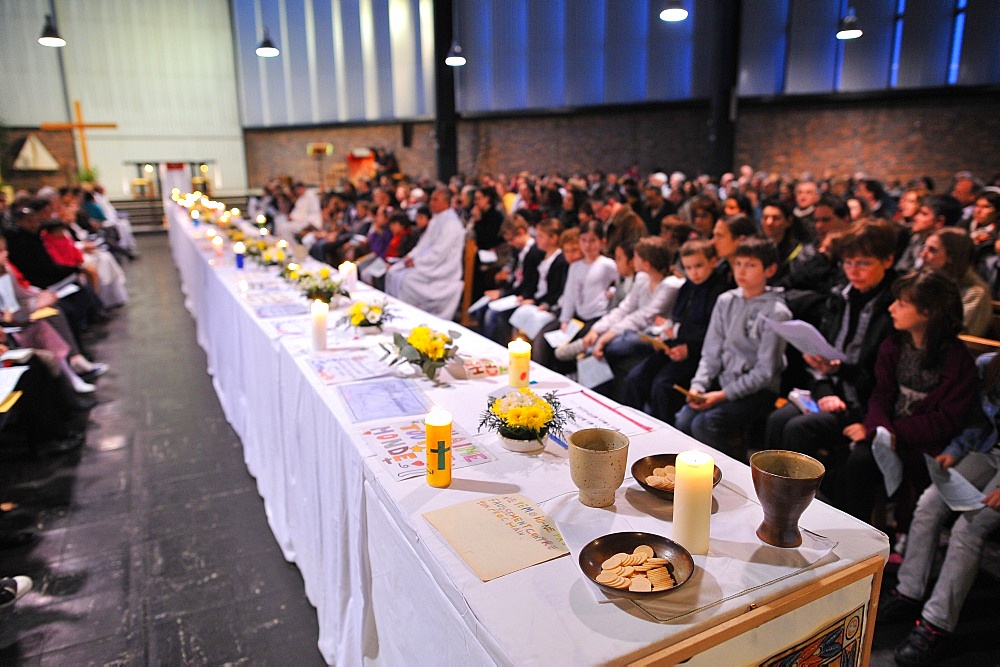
{"points": [[400, 447]]}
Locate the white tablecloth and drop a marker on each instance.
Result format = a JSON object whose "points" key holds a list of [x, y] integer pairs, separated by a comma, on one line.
{"points": [[387, 588]]}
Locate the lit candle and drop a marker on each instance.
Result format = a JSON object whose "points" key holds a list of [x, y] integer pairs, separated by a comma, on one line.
{"points": [[693, 500], [240, 250], [348, 275], [261, 219], [217, 244], [283, 245], [195, 217], [263, 232], [519, 363], [319, 312], [210, 232], [438, 423], [235, 212]]}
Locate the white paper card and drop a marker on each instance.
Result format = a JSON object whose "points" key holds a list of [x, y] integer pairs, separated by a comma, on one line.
{"points": [[887, 460], [480, 303], [956, 491], [591, 371], [488, 257], [560, 336], [504, 304], [805, 338], [531, 320], [9, 378]]}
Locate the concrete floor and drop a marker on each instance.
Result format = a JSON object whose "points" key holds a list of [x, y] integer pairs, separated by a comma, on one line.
{"points": [[153, 544]]}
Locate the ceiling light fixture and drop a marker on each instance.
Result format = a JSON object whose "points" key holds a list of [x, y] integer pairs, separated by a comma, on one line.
{"points": [[455, 57], [674, 12], [849, 27], [267, 49], [50, 36]]}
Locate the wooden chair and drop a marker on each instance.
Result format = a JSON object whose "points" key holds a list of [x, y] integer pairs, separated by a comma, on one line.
{"points": [[471, 250], [977, 345]]}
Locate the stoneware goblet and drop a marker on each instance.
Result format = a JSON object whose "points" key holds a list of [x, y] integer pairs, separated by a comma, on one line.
{"points": [[598, 458], [785, 482]]}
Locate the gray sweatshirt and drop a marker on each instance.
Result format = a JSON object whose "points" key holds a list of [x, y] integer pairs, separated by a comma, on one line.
{"points": [[740, 350]]}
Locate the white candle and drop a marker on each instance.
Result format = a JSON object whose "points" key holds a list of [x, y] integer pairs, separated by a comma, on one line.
{"points": [[693, 500], [348, 275], [519, 363], [319, 312], [263, 232], [261, 219], [217, 244], [283, 245]]}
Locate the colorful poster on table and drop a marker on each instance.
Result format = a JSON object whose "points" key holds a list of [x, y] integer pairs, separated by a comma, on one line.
{"points": [[346, 366], [281, 310], [383, 399], [499, 535], [595, 411], [401, 448]]}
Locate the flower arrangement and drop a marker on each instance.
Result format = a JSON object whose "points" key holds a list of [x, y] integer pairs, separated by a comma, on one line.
{"points": [[367, 314], [271, 256], [524, 415], [235, 234], [315, 286], [427, 349], [255, 249]]}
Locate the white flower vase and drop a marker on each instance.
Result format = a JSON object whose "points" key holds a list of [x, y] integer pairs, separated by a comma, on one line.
{"points": [[522, 446]]}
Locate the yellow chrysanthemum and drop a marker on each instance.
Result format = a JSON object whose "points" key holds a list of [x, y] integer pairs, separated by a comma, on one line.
{"points": [[324, 272]]}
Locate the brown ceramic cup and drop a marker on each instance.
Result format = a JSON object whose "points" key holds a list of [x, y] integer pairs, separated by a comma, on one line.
{"points": [[785, 482]]}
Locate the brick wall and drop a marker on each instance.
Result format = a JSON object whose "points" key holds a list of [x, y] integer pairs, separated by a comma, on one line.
{"points": [[930, 136], [898, 138]]}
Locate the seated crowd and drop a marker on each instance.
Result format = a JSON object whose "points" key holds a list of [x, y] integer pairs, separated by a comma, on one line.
{"points": [[59, 281], [672, 282]]}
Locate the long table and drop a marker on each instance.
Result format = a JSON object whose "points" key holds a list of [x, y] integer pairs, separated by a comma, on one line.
{"points": [[389, 590]]}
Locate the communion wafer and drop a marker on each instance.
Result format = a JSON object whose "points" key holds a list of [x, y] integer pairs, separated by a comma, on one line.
{"points": [[639, 571]]}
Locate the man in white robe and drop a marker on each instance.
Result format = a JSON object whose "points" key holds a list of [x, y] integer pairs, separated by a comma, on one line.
{"points": [[126, 239], [306, 215], [430, 276]]}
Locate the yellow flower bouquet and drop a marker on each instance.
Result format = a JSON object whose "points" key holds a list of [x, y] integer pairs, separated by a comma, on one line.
{"points": [[424, 348], [524, 415], [315, 286], [366, 314]]}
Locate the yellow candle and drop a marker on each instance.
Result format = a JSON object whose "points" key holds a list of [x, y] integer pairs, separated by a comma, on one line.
{"points": [[320, 310], [217, 244], [519, 363], [693, 500], [438, 423]]}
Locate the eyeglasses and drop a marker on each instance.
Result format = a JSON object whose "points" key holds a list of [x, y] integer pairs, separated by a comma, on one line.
{"points": [[858, 263]]}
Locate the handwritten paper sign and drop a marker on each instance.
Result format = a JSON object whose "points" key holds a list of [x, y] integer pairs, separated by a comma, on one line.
{"points": [[499, 535], [281, 310], [347, 366], [401, 447], [591, 410]]}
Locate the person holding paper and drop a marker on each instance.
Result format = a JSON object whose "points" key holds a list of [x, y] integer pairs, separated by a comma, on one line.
{"points": [[652, 295], [739, 373], [517, 277], [855, 322], [925, 385], [586, 294], [976, 456], [650, 385]]}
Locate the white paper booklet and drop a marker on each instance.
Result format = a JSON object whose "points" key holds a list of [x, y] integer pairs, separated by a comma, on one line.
{"points": [[504, 304], [592, 372], [805, 338], [560, 336], [531, 320]]}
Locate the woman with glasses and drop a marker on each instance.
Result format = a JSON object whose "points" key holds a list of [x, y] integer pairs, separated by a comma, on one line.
{"points": [[856, 322]]}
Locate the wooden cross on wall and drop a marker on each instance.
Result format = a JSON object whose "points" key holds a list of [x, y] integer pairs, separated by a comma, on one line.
{"points": [[82, 127]]}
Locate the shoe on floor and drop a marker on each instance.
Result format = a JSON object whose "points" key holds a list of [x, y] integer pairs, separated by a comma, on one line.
{"points": [[896, 607], [924, 646], [13, 589], [91, 370], [79, 386]]}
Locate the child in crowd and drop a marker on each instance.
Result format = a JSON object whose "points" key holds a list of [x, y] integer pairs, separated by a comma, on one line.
{"points": [[653, 293], [515, 278], [623, 256], [650, 385], [585, 296], [925, 383], [739, 373], [402, 240], [569, 243], [975, 454]]}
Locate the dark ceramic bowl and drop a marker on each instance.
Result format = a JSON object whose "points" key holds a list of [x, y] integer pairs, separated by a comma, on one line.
{"points": [[643, 468], [681, 565]]}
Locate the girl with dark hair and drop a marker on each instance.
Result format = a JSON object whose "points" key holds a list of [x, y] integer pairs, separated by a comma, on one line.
{"points": [[925, 385], [949, 250], [738, 204]]}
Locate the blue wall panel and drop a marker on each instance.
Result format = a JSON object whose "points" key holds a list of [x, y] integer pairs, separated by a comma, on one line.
{"points": [[546, 74], [812, 46], [762, 47], [585, 29]]}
